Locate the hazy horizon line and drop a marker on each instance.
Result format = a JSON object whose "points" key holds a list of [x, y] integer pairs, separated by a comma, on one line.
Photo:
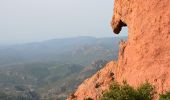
{"points": [[55, 38]]}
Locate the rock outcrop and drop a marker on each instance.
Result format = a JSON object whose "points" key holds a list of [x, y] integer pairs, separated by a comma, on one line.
{"points": [[146, 54], [96, 85]]}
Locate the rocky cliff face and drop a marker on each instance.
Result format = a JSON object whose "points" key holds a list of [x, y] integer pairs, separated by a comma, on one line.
{"points": [[146, 54]]}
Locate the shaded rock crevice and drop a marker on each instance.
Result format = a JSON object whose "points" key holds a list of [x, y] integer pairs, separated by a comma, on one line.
{"points": [[117, 25]]}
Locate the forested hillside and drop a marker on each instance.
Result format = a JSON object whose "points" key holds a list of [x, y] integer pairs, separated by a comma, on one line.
{"points": [[54, 68]]}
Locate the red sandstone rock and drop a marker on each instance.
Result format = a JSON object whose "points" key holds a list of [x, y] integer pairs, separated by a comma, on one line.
{"points": [[96, 85], [146, 54]]}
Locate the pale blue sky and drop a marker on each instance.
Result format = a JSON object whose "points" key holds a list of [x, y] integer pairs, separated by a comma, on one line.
{"points": [[37, 20]]}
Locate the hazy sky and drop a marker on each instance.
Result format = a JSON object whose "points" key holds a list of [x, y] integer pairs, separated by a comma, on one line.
{"points": [[36, 20]]}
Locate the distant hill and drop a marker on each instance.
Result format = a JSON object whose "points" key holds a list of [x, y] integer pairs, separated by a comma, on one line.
{"points": [[53, 67], [69, 49]]}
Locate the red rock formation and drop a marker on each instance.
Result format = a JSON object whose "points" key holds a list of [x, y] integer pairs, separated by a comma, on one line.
{"points": [[96, 85], [146, 54]]}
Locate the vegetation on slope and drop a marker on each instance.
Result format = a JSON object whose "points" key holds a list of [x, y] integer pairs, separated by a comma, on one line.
{"points": [[127, 92], [165, 96], [24, 96]]}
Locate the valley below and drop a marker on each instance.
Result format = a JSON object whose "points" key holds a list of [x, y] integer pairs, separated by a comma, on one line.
{"points": [[52, 69]]}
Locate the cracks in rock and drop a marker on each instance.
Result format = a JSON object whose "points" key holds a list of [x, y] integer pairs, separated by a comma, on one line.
{"points": [[123, 45]]}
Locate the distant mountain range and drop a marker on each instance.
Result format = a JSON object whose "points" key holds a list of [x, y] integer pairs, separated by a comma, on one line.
{"points": [[55, 67]]}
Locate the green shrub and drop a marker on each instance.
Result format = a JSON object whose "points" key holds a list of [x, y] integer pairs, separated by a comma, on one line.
{"points": [[145, 92], [165, 96], [126, 92], [88, 98]]}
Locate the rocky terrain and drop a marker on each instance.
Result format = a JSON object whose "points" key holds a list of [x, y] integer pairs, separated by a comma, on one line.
{"points": [[96, 85], [144, 56]]}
